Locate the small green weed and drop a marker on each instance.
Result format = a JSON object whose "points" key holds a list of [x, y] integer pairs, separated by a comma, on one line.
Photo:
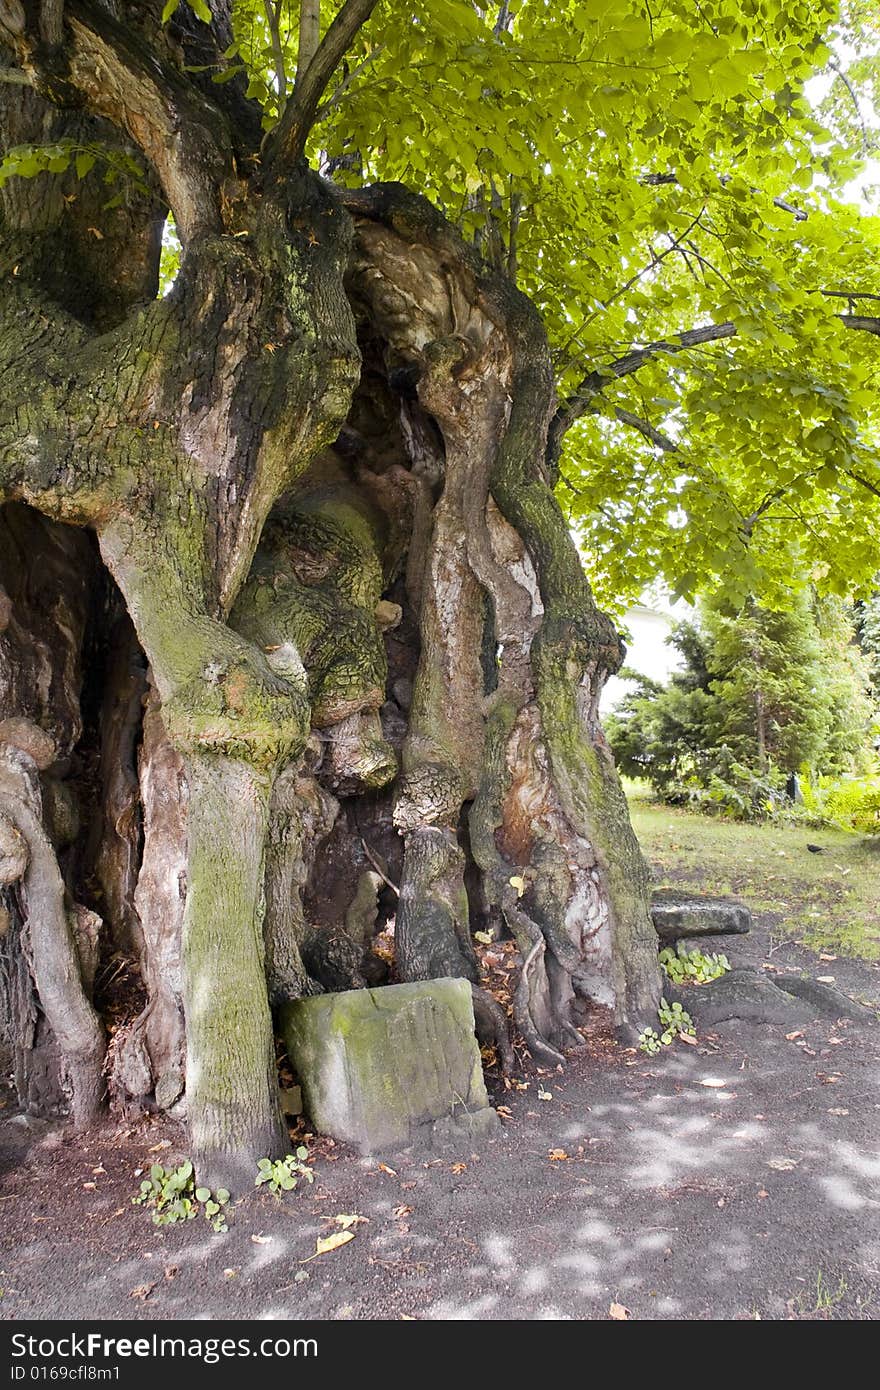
{"points": [[173, 1195], [284, 1174], [675, 1021], [682, 966]]}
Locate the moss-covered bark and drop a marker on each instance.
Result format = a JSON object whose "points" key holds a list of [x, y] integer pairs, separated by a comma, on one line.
{"points": [[315, 473], [232, 1100], [549, 827]]}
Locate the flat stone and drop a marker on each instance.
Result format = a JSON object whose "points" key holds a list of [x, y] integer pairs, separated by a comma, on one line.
{"points": [[683, 915], [385, 1068], [291, 1100]]}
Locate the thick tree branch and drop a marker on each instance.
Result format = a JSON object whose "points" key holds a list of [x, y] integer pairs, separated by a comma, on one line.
{"points": [[287, 142], [849, 294], [309, 37], [632, 361], [104, 67], [867, 325]]}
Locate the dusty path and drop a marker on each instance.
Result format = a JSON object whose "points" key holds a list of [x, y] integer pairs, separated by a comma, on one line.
{"points": [[675, 1198]]}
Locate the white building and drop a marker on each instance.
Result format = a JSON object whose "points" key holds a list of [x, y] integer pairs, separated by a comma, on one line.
{"points": [[646, 626]]}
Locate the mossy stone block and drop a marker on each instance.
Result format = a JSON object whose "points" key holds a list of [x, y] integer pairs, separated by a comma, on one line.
{"points": [[384, 1068], [680, 916]]}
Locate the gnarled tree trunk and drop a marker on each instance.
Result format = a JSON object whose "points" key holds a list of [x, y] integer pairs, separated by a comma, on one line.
{"points": [[315, 473]]}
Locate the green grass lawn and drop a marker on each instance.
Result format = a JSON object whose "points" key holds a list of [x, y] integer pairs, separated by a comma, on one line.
{"points": [[827, 901]]}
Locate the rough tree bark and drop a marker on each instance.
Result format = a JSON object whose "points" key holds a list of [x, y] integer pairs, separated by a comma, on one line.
{"points": [[315, 474]]}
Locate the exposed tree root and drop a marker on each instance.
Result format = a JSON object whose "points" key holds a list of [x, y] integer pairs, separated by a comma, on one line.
{"points": [[51, 945], [492, 1027]]}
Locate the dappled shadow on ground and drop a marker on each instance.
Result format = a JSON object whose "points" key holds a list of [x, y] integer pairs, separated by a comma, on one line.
{"points": [[696, 1200], [731, 1180]]}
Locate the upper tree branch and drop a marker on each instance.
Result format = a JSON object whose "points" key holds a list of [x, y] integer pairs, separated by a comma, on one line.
{"points": [[867, 325], [308, 38], [865, 482], [654, 436], [273, 21], [103, 66], [581, 400], [657, 180], [287, 142]]}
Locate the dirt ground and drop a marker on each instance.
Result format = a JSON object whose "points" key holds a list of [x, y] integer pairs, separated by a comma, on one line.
{"points": [[735, 1179]]}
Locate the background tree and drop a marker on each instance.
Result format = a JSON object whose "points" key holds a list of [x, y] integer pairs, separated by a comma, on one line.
{"points": [[321, 596], [868, 631], [762, 694]]}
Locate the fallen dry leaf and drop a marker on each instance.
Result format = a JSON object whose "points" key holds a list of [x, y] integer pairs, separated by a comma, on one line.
{"points": [[689, 1039], [823, 955], [762, 1194], [261, 1240], [347, 1219], [163, 1144], [783, 1164], [544, 1095], [143, 1290], [324, 1244], [558, 1155], [618, 1312], [383, 1168], [790, 1037], [400, 1212], [504, 1111], [171, 1271], [712, 1081], [458, 1168]]}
